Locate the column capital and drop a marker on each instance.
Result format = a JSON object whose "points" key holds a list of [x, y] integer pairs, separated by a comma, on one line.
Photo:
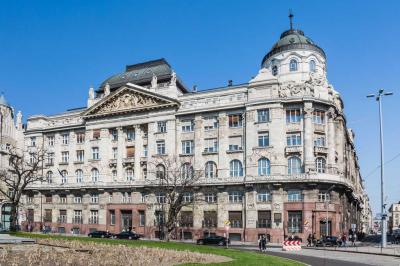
{"points": [[332, 113], [308, 111]]}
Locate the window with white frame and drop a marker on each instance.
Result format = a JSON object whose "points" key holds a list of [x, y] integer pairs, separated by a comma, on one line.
{"points": [[64, 176], [129, 174], [160, 171], [145, 150], [114, 134], [95, 153], [264, 167], [187, 171], [312, 66], [80, 137], [188, 197], [160, 197], [77, 216], [211, 170], [63, 199], [126, 197], [143, 197], [235, 120], [80, 155], [211, 145], [235, 168], [293, 65], [320, 165], [161, 126], [210, 122], [235, 143], [294, 165], [319, 140], [77, 199], [94, 198], [114, 152], [130, 134], [187, 125], [187, 147], [94, 217], [293, 116], [50, 158], [293, 139], [33, 141], [235, 196], [210, 197], [79, 176], [160, 147], [50, 141], [65, 157], [263, 115], [324, 197], [65, 138], [295, 221], [49, 177], [264, 196], [263, 139], [295, 195], [319, 117], [95, 175]]}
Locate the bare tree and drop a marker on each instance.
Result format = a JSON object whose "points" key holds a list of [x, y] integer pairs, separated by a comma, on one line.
{"points": [[24, 169], [176, 180]]}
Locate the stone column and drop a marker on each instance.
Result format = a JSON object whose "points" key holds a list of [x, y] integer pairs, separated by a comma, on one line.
{"points": [[309, 164], [331, 141], [138, 152]]}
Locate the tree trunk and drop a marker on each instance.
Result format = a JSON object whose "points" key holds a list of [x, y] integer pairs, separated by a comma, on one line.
{"points": [[14, 218]]}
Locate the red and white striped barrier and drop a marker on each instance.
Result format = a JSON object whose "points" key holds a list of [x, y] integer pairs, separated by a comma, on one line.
{"points": [[291, 245]]}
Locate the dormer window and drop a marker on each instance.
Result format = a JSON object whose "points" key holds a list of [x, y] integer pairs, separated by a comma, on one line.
{"points": [[312, 66], [293, 65], [274, 70]]}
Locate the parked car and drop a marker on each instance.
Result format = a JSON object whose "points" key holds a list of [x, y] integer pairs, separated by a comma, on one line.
{"points": [[213, 240], [100, 234], [328, 241], [127, 235]]}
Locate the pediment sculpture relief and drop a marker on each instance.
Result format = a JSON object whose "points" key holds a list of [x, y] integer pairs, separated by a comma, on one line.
{"points": [[307, 88]]}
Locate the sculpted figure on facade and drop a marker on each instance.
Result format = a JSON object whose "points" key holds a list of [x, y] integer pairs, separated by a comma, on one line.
{"points": [[154, 81], [91, 93], [107, 89], [173, 79]]}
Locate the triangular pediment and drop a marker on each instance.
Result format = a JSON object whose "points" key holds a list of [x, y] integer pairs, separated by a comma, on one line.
{"points": [[127, 99]]}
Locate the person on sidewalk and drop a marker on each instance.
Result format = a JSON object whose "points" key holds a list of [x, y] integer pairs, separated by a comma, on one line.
{"points": [[344, 239], [263, 244], [314, 240], [259, 243], [309, 240], [353, 240]]}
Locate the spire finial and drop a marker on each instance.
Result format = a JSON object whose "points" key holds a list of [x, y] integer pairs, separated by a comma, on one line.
{"points": [[291, 19]]}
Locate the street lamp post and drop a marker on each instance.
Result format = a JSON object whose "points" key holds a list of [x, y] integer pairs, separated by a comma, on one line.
{"points": [[378, 97]]}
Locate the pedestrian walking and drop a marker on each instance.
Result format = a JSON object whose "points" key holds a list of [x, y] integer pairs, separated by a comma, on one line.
{"points": [[259, 243], [309, 240], [353, 240], [314, 240], [263, 244], [344, 239]]}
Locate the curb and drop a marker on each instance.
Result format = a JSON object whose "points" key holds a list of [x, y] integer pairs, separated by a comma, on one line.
{"points": [[360, 252]]}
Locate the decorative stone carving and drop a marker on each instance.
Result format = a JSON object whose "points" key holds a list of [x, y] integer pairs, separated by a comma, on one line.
{"points": [[331, 113], [307, 88], [106, 89], [91, 93], [173, 79], [154, 81], [308, 111], [127, 100]]}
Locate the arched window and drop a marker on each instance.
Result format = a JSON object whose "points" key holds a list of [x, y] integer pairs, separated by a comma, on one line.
{"points": [[95, 175], [274, 70], [235, 168], [79, 176], [294, 165], [160, 171], [293, 65], [320, 165], [264, 166], [49, 177], [312, 66], [211, 170], [129, 174], [187, 171], [64, 175]]}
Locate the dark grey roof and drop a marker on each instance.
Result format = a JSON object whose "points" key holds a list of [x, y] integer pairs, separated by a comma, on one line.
{"points": [[292, 40], [3, 101], [142, 74]]}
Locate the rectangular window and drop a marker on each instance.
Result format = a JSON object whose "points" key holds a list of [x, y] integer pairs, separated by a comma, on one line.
{"points": [[188, 197], [161, 126], [33, 141], [50, 159], [31, 215], [293, 139], [94, 217], [186, 219], [293, 116], [235, 217], [211, 145], [263, 115], [94, 198], [210, 123], [210, 197], [130, 134], [264, 219], [96, 133], [50, 141], [114, 134], [235, 196], [63, 199], [235, 143], [112, 217], [295, 195], [77, 199], [145, 151], [187, 147], [80, 155], [210, 219], [319, 141], [48, 215], [77, 216], [49, 199], [160, 147], [142, 218], [160, 197], [130, 152], [264, 196], [319, 117], [80, 137], [187, 125], [295, 221], [235, 120], [263, 139], [63, 216], [95, 153], [159, 218], [324, 197], [65, 139], [114, 152], [65, 157]]}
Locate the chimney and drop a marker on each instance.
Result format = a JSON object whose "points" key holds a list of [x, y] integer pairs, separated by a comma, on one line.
{"points": [[230, 82], [194, 88]]}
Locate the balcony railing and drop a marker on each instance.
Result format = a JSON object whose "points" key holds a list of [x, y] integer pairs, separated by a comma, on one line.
{"points": [[93, 220], [112, 162], [77, 220], [128, 161], [264, 223], [293, 149], [319, 127], [62, 219], [320, 150]]}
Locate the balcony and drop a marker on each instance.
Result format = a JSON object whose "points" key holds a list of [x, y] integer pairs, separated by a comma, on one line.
{"points": [[293, 149], [129, 161], [63, 163], [319, 128], [320, 150], [112, 162], [78, 162]]}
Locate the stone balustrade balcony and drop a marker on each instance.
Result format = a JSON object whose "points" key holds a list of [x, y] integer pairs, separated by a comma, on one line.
{"points": [[129, 161], [112, 162], [293, 149], [319, 128], [320, 150]]}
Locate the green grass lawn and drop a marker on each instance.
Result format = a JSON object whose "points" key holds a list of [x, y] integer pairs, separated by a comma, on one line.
{"points": [[238, 257]]}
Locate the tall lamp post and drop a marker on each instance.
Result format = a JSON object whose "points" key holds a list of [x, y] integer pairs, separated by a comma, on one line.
{"points": [[378, 98]]}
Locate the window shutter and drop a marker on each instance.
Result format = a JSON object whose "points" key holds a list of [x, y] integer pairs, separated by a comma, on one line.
{"points": [[130, 152]]}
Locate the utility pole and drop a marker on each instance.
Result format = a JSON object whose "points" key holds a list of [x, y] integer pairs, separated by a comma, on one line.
{"points": [[378, 98]]}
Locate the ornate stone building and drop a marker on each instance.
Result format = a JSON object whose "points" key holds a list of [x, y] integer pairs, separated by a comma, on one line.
{"points": [[394, 217], [276, 154]]}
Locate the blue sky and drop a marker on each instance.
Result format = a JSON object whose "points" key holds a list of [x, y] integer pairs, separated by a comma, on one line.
{"points": [[52, 51]]}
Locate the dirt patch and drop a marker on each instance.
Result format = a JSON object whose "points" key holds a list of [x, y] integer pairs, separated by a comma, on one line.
{"points": [[61, 252]]}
